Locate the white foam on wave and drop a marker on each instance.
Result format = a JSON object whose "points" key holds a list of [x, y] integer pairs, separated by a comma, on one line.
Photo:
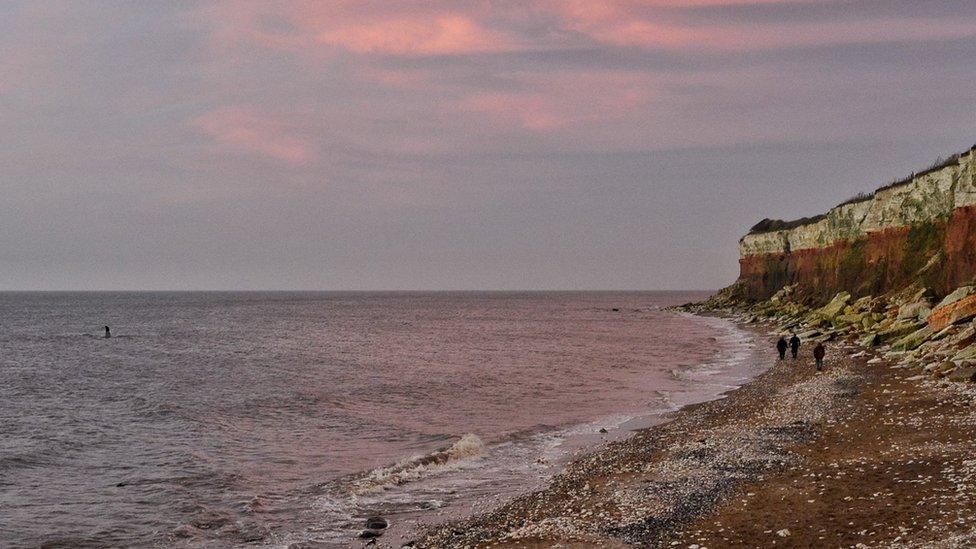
{"points": [[418, 467], [341, 509]]}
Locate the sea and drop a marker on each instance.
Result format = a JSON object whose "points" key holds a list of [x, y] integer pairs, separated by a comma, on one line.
{"points": [[286, 419]]}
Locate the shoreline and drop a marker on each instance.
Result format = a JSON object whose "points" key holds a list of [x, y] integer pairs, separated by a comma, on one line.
{"points": [[856, 454], [713, 380]]}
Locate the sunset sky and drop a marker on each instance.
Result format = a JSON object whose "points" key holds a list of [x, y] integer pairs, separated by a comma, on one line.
{"points": [[524, 144]]}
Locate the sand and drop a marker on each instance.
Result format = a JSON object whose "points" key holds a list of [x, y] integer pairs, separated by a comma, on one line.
{"points": [[862, 454]]}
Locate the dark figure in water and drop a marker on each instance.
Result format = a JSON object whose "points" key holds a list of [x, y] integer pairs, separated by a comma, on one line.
{"points": [[818, 353], [794, 345], [108, 333], [781, 347]]}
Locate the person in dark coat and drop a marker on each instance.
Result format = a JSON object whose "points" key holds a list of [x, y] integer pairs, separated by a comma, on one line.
{"points": [[108, 333], [794, 345], [781, 347], [818, 353]]}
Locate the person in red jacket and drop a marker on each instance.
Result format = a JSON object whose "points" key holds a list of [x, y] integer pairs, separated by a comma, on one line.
{"points": [[818, 353]]}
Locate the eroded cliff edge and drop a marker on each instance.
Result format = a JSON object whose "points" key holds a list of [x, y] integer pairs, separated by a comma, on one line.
{"points": [[921, 230]]}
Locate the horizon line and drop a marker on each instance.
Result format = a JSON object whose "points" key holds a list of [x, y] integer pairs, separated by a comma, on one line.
{"points": [[554, 290]]}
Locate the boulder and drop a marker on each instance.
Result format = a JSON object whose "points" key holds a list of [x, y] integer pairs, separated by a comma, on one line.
{"points": [[957, 311], [835, 306], [869, 340], [944, 333], [963, 375], [808, 335], [919, 310], [883, 324], [943, 368], [898, 330], [959, 293], [918, 295], [969, 353], [817, 322], [913, 340], [863, 304], [964, 337], [851, 318]]}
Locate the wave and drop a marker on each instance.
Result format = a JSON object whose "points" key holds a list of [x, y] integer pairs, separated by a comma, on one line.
{"points": [[418, 467]]}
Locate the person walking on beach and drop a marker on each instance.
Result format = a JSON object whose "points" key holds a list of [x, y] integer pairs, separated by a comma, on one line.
{"points": [[818, 353], [781, 347], [794, 345], [108, 333]]}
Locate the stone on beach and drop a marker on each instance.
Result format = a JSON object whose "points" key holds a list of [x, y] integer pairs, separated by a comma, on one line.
{"points": [[869, 340], [956, 295], [836, 305], [944, 368], [914, 339], [957, 311], [898, 330], [963, 375], [919, 310], [969, 353]]}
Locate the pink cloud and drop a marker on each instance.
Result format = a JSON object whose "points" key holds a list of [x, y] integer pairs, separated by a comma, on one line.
{"points": [[402, 79], [563, 100], [243, 129], [388, 28], [443, 34], [316, 29], [624, 23]]}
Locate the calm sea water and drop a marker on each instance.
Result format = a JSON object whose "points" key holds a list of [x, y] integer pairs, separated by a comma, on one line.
{"points": [[272, 419]]}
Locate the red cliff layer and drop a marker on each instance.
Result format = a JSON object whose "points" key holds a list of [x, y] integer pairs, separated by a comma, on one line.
{"points": [[921, 230]]}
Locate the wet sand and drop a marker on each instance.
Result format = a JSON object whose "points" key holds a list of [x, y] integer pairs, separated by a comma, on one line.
{"points": [[863, 453]]}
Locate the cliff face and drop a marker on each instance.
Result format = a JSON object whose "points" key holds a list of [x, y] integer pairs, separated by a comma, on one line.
{"points": [[919, 230]]}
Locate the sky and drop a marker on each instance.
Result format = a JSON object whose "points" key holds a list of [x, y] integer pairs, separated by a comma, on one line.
{"points": [[465, 145]]}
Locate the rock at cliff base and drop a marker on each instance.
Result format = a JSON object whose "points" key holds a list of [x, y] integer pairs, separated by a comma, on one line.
{"points": [[868, 323], [943, 368], [942, 334], [850, 319], [959, 293], [918, 295], [919, 310], [969, 353], [965, 337], [869, 340], [957, 311], [836, 305], [963, 375], [913, 340], [898, 330]]}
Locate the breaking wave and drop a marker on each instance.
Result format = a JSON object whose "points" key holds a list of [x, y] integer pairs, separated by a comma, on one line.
{"points": [[418, 467]]}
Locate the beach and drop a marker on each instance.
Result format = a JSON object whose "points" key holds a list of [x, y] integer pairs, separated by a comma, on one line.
{"points": [[866, 453]]}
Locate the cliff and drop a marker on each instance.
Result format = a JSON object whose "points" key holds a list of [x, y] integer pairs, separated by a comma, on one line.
{"points": [[920, 230]]}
